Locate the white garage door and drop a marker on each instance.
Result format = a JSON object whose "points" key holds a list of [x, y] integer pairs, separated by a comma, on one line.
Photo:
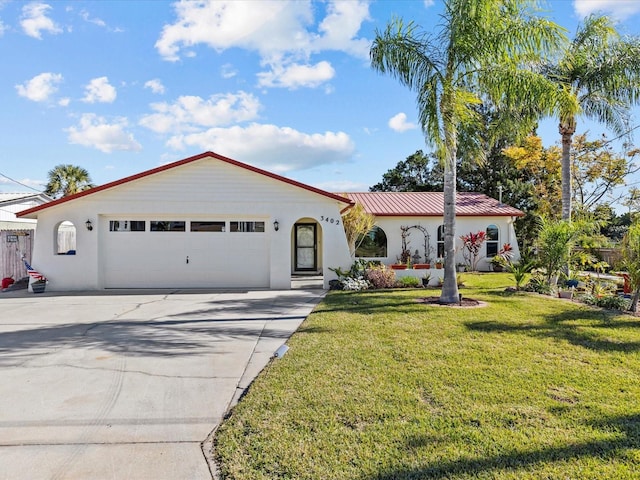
{"points": [[177, 254]]}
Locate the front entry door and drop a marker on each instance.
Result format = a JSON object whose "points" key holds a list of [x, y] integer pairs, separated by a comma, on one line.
{"points": [[306, 247]]}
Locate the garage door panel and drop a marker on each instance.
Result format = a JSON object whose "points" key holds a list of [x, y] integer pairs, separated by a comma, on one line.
{"points": [[159, 260]]}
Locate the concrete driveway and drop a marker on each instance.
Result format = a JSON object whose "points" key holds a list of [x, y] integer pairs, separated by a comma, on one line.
{"points": [[129, 385]]}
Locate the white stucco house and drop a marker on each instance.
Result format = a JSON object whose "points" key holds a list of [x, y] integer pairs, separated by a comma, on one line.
{"points": [[212, 222], [422, 213], [203, 222]]}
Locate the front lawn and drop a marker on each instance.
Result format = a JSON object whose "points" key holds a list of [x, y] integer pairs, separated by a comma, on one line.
{"points": [[378, 386]]}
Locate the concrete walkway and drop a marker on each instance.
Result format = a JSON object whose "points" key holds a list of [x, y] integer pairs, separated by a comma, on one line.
{"points": [[128, 385]]}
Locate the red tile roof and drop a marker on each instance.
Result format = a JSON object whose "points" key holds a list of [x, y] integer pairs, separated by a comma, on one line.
{"points": [[177, 164], [430, 204]]}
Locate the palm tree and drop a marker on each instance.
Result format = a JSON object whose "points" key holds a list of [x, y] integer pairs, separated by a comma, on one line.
{"points": [[599, 73], [476, 57], [65, 180]]}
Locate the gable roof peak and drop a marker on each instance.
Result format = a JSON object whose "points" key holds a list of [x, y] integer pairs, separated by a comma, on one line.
{"points": [[179, 163]]}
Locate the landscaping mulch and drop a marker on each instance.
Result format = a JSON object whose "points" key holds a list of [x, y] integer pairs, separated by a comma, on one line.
{"points": [[464, 303]]}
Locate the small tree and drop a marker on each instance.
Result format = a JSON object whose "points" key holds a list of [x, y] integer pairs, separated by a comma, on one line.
{"points": [[555, 241], [357, 223], [471, 246], [631, 261]]}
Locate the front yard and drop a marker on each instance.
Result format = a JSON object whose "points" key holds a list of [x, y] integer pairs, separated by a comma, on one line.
{"points": [[379, 386]]}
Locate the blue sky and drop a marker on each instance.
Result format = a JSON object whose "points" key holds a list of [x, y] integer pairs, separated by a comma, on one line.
{"points": [[121, 87]]}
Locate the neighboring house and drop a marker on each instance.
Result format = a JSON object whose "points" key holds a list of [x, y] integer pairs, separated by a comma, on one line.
{"points": [[203, 222], [17, 234], [424, 211]]}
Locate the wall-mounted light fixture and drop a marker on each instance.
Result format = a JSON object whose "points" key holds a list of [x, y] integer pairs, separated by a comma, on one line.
{"points": [[89, 225], [276, 225]]}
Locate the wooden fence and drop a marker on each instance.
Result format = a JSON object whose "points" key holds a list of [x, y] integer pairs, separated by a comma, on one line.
{"points": [[14, 244]]}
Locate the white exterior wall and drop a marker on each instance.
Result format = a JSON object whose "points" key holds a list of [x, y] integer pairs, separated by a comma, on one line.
{"points": [[207, 189], [464, 225]]}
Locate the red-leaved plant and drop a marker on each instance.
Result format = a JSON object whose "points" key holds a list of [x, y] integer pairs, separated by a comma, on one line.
{"points": [[471, 246]]}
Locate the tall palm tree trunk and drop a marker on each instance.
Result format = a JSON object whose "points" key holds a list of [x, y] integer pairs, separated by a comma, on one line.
{"points": [[450, 286], [566, 131]]}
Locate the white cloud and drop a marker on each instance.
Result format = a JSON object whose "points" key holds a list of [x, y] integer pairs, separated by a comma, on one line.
{"points": [[155, 85], [190, 113], [619, 9], [40, 87], [278, 149], [227, 71], [340, 29], [282, 32], [99, 90], [266, 26], [295, 76], [96, 21], [399, 123], [34, 20], [64, 102], [3, 28], [429, 3], [94, 131]]}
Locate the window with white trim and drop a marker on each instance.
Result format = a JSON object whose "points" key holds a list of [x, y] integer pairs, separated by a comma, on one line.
{"points": [[65, 238], [492, 240], [440, 245]]}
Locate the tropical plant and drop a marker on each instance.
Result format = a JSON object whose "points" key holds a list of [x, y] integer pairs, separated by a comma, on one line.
{"points": [[65, 180], [471, 247], [555, 241], [357, 222], [520, 272], [502, 259], [538, 282], [477, 55], [599, 76]]}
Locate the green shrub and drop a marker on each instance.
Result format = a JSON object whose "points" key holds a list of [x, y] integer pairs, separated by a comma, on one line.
{"points": [[610, 302], [539, 283], [409, 282]]}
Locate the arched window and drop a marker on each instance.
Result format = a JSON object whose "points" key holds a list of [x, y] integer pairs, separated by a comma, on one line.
{"points": [[373, 244], [65, 238], [440, 241], [492, 240]]}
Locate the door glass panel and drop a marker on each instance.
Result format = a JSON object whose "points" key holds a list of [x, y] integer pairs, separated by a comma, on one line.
{"points": [[305, 258], [305, 247]]}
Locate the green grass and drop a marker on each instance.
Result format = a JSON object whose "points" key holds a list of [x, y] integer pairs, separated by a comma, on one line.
{"points": [[377, 386]]}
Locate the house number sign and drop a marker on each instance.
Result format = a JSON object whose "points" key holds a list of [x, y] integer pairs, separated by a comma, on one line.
{"points": [[335, 221], [12, 238]]}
